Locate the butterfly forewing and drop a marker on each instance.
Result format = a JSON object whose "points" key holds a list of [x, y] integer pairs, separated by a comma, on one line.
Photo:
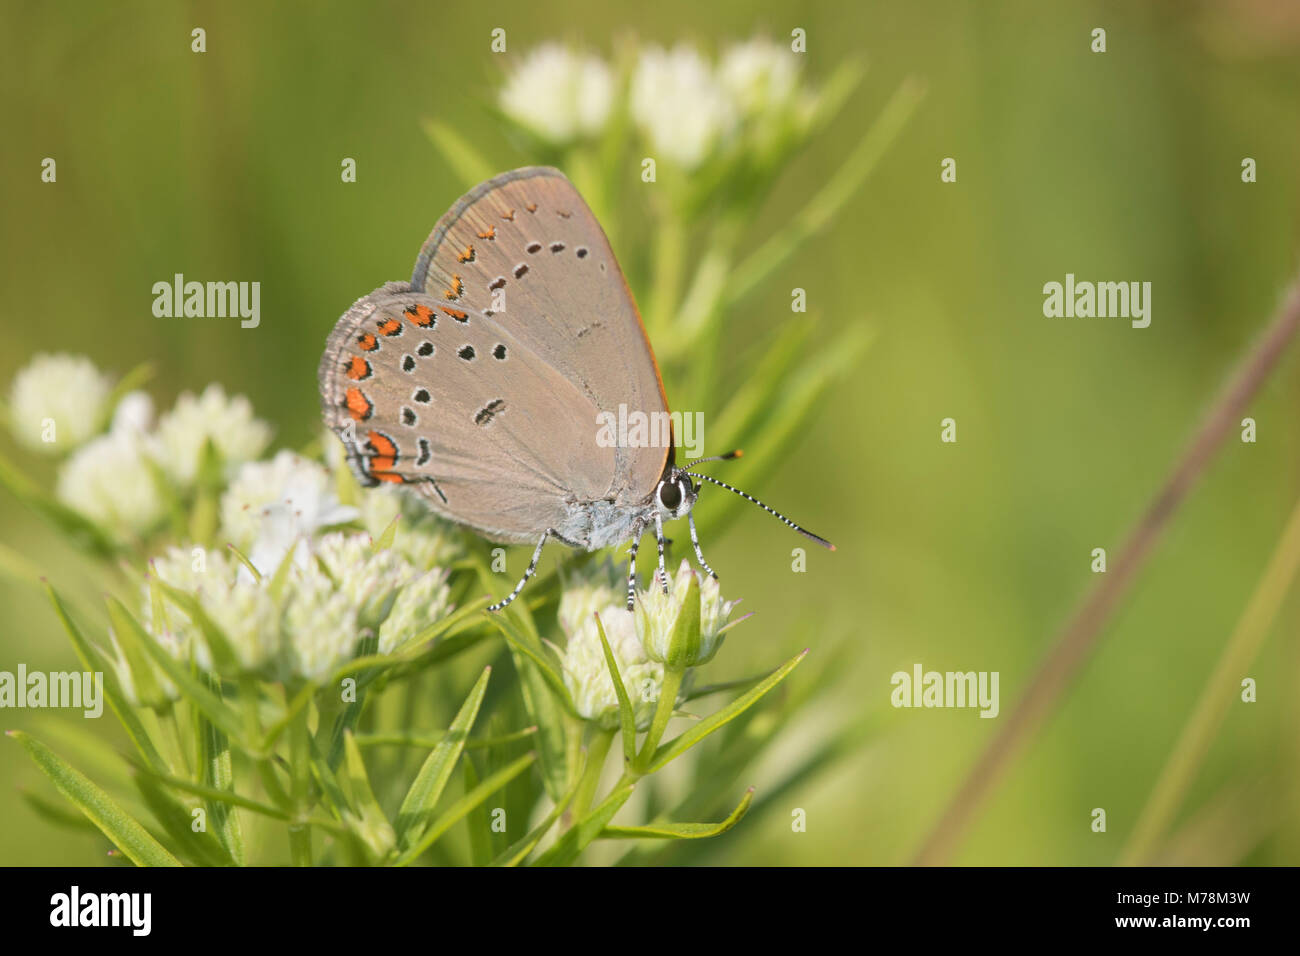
{"points": [[525, 253], [480, 383]]}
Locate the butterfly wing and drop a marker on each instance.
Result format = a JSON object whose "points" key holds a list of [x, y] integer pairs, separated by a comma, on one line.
{"points": [[525, 252], [480, 383]]}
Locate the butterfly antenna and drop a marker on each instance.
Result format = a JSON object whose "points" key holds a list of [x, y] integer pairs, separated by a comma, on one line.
{"points": [[735, 453], [772, 511]]}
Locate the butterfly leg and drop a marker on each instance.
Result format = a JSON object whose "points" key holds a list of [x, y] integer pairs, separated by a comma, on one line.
{"points": [[637, 531], [532, 566], [662, 573], [699, 555]]}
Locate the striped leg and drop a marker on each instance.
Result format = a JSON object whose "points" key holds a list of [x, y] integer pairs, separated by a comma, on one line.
{"points": [[532, 566], [699, 555], [662, 573], [631, 564]]}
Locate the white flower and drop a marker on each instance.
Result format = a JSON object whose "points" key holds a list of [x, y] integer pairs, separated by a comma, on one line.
{"points": [[679, 105], [760, 76], [242, 608], [320, 625], [133, 415], [657, 613], [227, 421], [272, 505], [65, 390], [110, 481], [586, 673], [349, 591], [558, 94]]}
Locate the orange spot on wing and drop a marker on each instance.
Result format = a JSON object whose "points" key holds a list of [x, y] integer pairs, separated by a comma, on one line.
{"points": [[531, 207], [456, 288], [357, 368], [368, 342], [386, 476], [421, 315], [358, 406], [384, 445], [489, 233], [510, 216], [454, 313], [467, 255], [390, 327]]}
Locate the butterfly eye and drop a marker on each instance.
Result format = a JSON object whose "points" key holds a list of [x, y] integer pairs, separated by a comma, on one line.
{"points": [[670, 495]]}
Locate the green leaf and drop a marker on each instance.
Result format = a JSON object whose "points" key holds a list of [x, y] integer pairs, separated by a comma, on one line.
{"points": [[478, 828], [575, 840], [679, 745], [417, 807], [127, 834], [93, 660], [684, 643], [464, 805], [81, 530], [465, 161], [385, 540], [626, 717], [218, 772], [177, 820], [548, 671], [371, 826], [518, 851], [130, 636], [214, 708], [836, 191], [681, 831]]}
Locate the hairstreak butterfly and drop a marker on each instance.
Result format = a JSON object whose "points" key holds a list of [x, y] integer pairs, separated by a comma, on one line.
{"points": [[479, 383]]}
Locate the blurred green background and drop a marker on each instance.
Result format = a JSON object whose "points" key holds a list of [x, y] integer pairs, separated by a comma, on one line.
{"points": [[1120, 166]]}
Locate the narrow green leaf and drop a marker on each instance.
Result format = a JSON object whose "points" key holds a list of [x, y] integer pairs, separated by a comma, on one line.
{"points": [[372, 826], [94, 661], [385, 540], [130, 637], [518, 851], [479, 829], [465, 161], [218, 772], [216, 709], [417, 807], [81, 530], [575, 840], [464, 805], [436, 737], [626, 716], [681, 831], [548, 671], [127, 834], [680, 744]]}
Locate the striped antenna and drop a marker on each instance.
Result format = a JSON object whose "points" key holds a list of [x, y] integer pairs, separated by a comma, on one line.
{"points": [[772, 511]]}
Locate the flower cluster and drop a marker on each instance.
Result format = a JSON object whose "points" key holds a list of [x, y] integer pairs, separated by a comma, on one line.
{"points": [[642, 641], [119, 469], [687, 109]]}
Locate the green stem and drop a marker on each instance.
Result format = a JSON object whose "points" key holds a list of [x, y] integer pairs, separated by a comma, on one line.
{"points": [[663, 713], [597, 751], [300, 771], [666, 279], [1220, 692]]}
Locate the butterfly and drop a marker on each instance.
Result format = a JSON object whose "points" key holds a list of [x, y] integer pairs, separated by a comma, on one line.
{"points": [[481, 383]]}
